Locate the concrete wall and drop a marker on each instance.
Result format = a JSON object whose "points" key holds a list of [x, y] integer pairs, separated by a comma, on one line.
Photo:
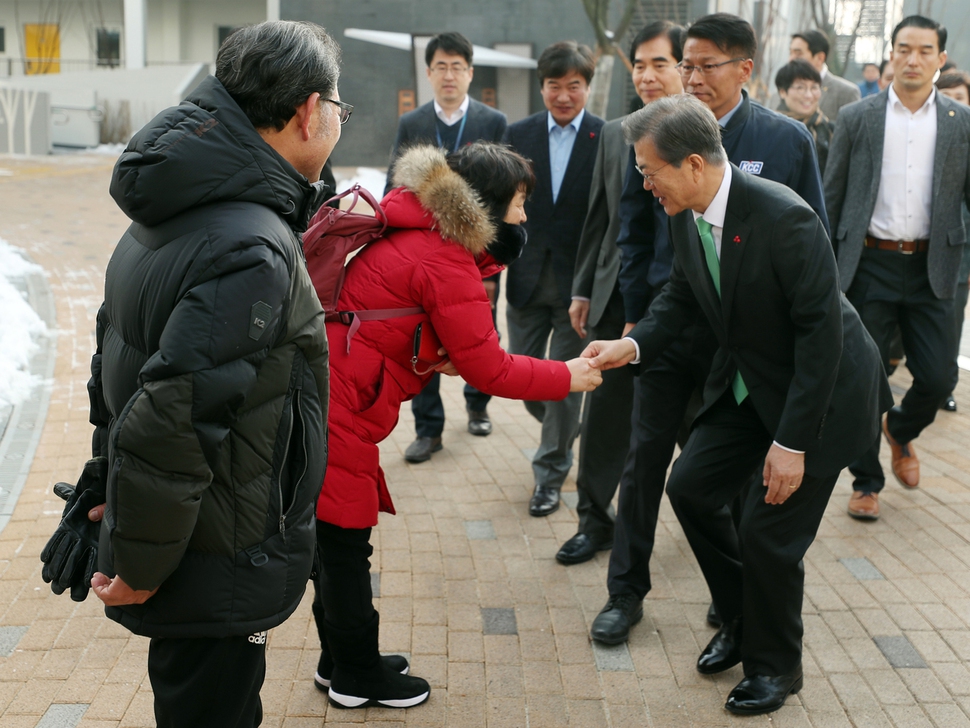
{"points": [[372, 75]]}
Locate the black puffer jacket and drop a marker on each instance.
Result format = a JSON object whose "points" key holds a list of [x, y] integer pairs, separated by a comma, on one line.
{"points": [[210, 382]]}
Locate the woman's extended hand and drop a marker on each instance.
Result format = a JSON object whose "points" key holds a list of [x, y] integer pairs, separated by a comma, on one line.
{"points": [[583, 377]]}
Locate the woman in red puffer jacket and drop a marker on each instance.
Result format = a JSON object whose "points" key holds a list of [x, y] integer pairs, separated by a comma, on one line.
{"points": [[451, 221]]}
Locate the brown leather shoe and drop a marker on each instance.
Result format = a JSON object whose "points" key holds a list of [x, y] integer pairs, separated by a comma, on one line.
{"points": [[905, 462], [864, 506]]}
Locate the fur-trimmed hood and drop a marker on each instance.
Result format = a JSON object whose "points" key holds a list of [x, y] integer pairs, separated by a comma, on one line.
{"points": [[455, 208]]}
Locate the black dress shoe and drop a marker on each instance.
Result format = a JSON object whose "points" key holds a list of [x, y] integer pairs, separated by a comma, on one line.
{"points": [[544, 501], [581, 548], [420, 450], [479, 423], [759, 694], [949, 404], [713, 618], [612, 624], [723, 651]]}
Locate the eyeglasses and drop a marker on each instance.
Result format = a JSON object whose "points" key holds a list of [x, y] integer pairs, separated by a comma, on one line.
{"points": [[345, 109], [705, 70], [648, 175], [799, 88], [442, 69]]}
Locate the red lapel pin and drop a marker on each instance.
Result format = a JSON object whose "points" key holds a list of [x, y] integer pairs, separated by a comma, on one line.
{"points": [[737, 239], [592, 135]]}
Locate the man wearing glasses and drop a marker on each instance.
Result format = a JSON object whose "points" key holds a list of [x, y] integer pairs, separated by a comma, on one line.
{"points": [[717, 62], [450, 120]]}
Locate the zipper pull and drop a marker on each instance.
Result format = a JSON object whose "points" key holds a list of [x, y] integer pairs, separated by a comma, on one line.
{"points": [[282, 524]]}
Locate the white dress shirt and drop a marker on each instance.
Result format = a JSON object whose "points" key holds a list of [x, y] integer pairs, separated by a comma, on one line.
{"points": [[905, 197], [454, 118]]}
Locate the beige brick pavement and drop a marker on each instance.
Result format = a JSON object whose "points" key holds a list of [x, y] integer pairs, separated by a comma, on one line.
{"points": [[435, 579]]}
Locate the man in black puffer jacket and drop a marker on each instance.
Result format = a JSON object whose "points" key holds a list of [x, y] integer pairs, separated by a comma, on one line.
{"points": [[210, 382]]}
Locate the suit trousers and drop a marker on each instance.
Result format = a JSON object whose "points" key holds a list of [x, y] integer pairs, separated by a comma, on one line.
{"points": [[604, 433], [429, 410], [542, 326], [205, 682], [754, 570], [892, 289], [663, 394]]}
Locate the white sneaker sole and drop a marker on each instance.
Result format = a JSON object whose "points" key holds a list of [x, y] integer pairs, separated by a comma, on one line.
{"points": [[350, 701], [323, 684]]}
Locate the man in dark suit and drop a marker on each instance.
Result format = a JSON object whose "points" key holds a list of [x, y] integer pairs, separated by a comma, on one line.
{"points": [[897, 178], [795, 385], [598, 304], [450, 120], [561, 142], [717, 62]]}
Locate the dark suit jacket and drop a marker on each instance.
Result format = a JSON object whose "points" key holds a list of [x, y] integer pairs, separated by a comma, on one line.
{"points": [[812, 371], [852, 176], [598, 258], [554, 227], [418, 127]]}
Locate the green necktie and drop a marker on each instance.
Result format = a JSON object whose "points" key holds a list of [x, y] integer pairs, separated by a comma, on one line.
{"points": [[714, 266]]}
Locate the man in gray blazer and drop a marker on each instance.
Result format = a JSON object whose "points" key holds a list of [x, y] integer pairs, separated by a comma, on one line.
{"points": [[450, 120], [897, 177], [813, 46], [597, 304]]}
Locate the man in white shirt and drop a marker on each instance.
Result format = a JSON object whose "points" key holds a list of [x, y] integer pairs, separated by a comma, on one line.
{"points": [[450, 120], [895, 185]]}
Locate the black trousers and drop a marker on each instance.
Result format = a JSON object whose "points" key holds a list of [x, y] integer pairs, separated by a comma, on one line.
{"points": [[429, 410], [754, 570], [208, 682], [892, 289], [604, 440], [663, 396]]}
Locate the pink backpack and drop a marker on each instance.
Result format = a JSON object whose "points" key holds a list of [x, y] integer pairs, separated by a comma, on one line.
{"points": [[333, 235]]}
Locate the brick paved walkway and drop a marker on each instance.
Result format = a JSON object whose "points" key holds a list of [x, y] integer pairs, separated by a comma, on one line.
{"points": [[467, 582]]}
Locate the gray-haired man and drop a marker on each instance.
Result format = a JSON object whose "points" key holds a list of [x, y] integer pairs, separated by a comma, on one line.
{"points": [[210, 382], [754, 259]]}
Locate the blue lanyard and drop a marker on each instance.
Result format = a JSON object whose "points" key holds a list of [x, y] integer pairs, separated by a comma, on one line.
{"points": [[461, 130]]}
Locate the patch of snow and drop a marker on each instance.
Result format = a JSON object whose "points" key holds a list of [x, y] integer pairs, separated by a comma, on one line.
{"points": [[372, 180], [19, 328]]}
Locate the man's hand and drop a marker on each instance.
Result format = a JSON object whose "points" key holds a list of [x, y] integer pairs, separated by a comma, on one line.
{"points": [[783, 474], [610, 354], [627, 328], [446, 367], [115, 593], [578, 315], [490, 288]]}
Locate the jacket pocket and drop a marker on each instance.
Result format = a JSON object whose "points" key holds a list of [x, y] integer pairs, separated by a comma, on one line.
{"points": [[957, 236]]}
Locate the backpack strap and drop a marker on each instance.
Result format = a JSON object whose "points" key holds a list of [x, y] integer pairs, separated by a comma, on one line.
{"points": [[352, 319]]}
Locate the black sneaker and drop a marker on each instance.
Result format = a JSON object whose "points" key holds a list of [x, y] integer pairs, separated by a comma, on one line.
{"points": [[321, 680], [389, 689]]}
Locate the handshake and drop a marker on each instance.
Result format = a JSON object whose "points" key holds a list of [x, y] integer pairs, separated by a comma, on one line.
{"points": [[586, 370]]}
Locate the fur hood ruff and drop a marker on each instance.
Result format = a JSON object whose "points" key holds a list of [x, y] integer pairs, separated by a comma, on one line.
{"points": [[458, 213]]}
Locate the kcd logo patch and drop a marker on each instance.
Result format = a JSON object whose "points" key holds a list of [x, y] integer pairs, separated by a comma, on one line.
{"points": [[752, 167]]}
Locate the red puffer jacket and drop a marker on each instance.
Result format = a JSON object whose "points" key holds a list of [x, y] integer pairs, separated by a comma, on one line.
{"points": [[434, 258]]}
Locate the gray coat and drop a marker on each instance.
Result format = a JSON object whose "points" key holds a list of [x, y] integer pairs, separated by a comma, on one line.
{"points": [[836, 93], [598, 258], [852, 176]]}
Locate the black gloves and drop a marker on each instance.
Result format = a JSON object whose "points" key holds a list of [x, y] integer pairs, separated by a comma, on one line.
{"points": [[71, 555]]}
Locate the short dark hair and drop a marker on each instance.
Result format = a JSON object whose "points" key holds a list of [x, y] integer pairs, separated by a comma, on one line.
{"points": [[948, 66], [495, 172], [918, 21], [271, 68], [731, 34], [817, 41], [674, 33], [563, 58], [796, 70], [874, 65], [882, 66], [953, 79], [454, 44]]}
